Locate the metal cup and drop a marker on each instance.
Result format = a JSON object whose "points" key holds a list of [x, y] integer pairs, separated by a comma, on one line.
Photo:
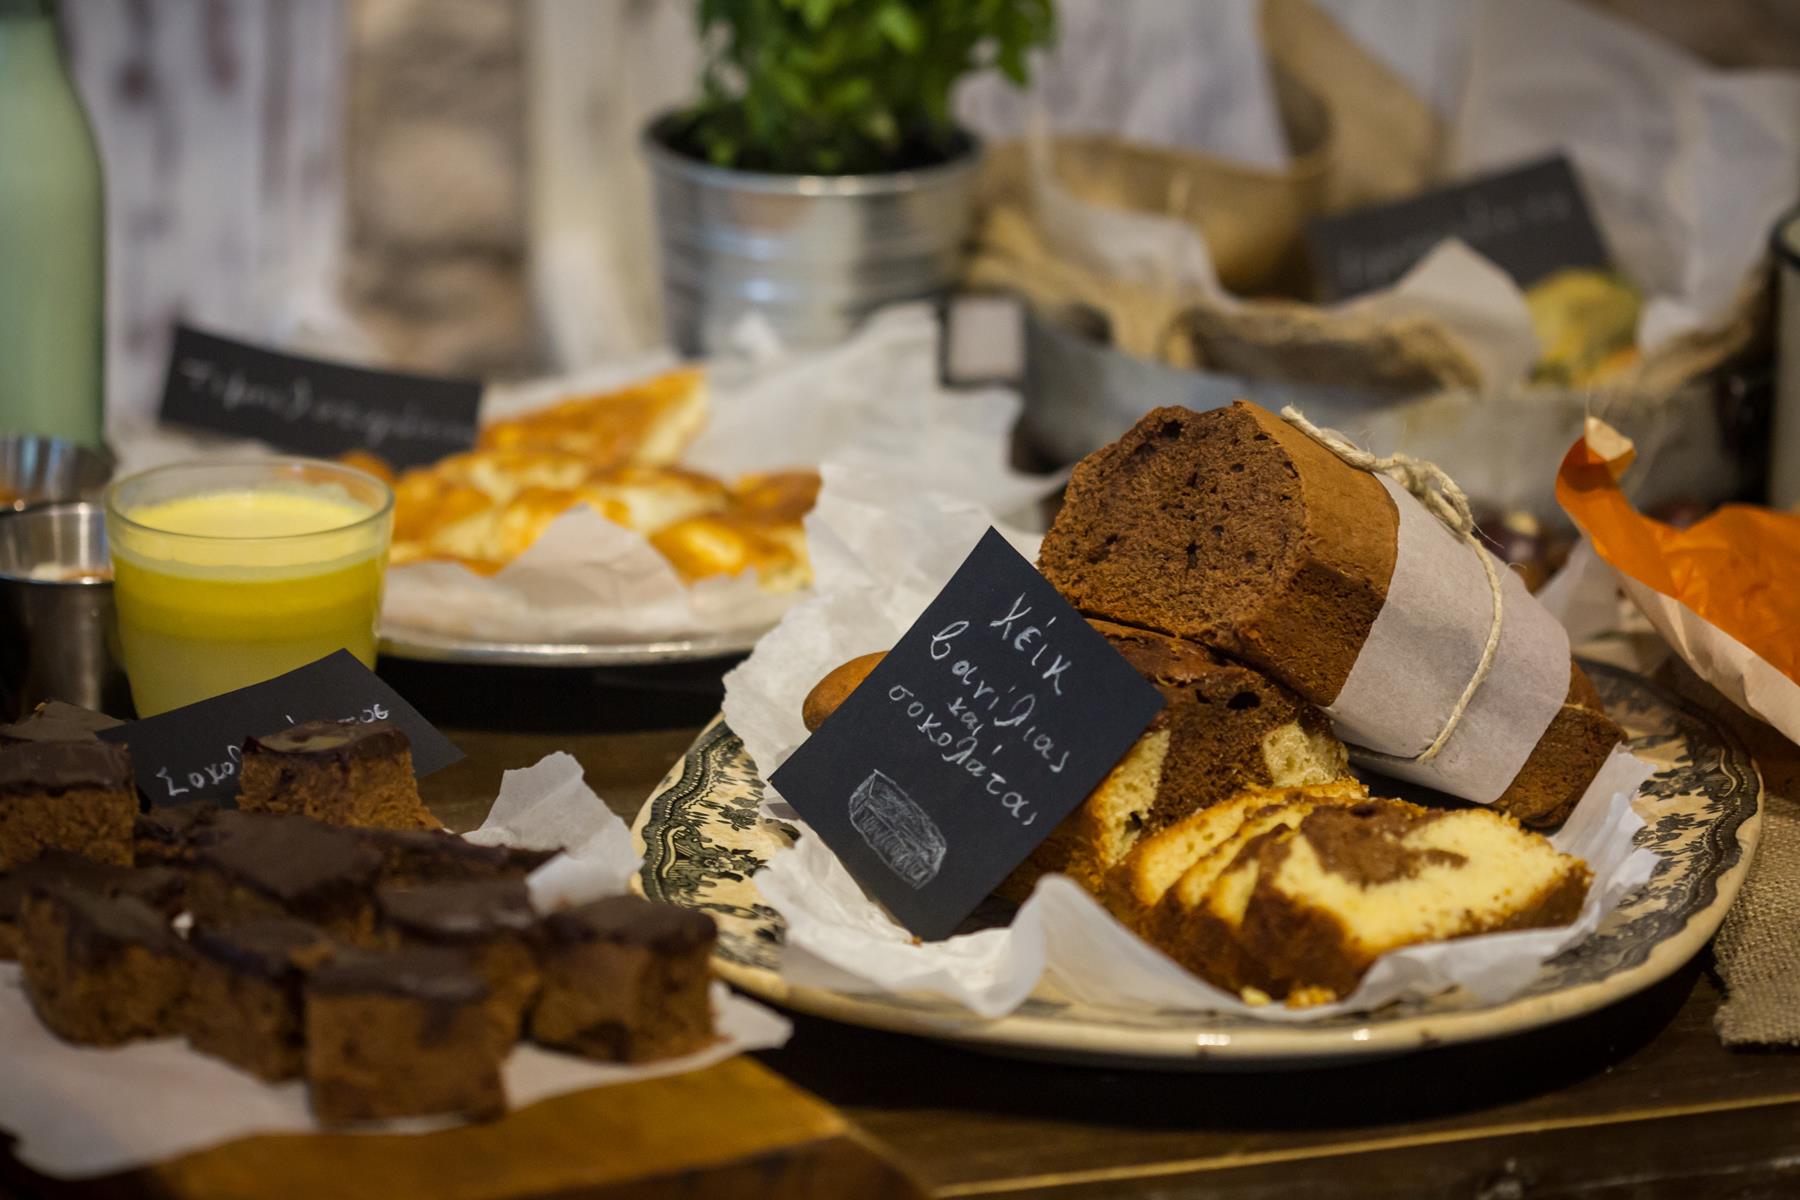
{"points": [[58, 634], [35, 468]]}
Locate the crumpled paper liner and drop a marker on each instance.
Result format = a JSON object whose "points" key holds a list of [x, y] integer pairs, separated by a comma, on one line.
{"points": [[77, 1111], [1722, 593], [873, 403], [885, 551]]}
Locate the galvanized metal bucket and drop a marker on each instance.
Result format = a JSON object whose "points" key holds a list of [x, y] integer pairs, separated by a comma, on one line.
{"points": [[814, 254]]}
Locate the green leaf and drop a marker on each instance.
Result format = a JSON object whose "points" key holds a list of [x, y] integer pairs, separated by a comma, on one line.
{"points": [[900, 27], [816, 12]]}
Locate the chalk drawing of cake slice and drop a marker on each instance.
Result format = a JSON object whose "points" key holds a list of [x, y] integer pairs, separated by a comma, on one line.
{"points": [[897, 829]]}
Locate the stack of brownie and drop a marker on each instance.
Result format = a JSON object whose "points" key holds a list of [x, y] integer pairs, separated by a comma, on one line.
{"points": [[392, 967]]}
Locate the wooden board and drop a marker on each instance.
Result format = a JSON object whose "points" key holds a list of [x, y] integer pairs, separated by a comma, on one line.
{"points": [[732, 1130]]}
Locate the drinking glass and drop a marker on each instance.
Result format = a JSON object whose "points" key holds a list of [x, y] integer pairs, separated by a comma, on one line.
{"points": [[227, 574]]}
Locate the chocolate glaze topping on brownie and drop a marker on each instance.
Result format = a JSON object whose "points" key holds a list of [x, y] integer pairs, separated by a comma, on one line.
{"points": [[330, 738], [155, 886], [290, 858], [101, 926], [432, 855], [425, 973], [632, 921], [178, 826], [56, 721], [272, 947], [459, 911], [36, 767]]}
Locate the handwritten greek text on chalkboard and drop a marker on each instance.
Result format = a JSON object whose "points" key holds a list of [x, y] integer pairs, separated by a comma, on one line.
{"points": [[314, 407], [1531, 222], [193, 753], [988, 723]]}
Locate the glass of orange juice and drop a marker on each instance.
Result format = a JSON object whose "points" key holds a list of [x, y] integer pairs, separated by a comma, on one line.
{"points": [[227, 574]]}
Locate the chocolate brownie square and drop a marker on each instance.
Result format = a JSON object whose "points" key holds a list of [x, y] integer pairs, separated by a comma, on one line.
{"points": [[66, 795], [625, 980], [411, 857], [170, 833], [272, 866], [402, 1033], [156, 887], [247, 997], [491, 920], [101, 969], [345, 774], [58, 721]]}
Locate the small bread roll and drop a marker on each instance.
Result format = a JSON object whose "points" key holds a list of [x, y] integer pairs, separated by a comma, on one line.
{"points": [[832, 690]]}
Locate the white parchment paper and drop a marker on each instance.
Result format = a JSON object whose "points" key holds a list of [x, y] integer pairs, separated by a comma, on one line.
{"points": [[79, 1111], [1425, 646], [884, 563]]}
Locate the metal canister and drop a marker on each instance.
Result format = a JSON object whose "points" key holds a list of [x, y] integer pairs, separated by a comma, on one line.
{"points": [[1784, 436], [814, 254], [58, 633]]}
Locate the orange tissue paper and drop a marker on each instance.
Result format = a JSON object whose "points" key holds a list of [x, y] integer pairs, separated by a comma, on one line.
{"points": [[1724, 593]]}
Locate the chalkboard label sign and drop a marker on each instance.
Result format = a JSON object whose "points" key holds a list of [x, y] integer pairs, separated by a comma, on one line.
{"points": [[991, 720], [312, 407], [193, 753], [1531, 222]]}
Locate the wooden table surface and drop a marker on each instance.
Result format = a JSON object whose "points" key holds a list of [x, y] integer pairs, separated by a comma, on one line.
{"points": [[1637, 1100]]}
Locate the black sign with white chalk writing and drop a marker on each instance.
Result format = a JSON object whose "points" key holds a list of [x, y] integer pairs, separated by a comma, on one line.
{"points": [[1531, 222], [311, 407], [991, 720], [192, 753]]}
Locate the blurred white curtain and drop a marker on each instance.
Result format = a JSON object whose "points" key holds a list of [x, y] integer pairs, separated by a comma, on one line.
{"points": [[597, 72], [221, 132]]}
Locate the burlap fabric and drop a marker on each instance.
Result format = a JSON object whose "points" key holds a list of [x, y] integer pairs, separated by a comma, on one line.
{"points": [[1757, 950]]}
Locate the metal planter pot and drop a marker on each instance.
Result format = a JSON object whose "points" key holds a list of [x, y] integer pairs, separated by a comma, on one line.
{"points": [[814, 254]]}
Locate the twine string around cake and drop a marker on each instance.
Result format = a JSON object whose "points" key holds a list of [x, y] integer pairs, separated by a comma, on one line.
{"points": [[1443, 499]]}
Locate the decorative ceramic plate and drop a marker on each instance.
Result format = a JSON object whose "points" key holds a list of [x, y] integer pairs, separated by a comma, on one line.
{"points": [[703, 840], [428, 646]]}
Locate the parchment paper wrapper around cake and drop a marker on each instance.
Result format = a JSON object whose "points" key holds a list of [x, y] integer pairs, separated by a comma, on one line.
{"points": [[882, 551], [1338, 583], [874, 402], [79, 1111]]}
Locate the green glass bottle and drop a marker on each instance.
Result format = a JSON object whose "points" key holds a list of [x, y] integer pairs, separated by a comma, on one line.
{"points": [[52, 239]]}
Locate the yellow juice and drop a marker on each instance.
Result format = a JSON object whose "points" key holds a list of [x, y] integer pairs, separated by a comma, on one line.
{"points": [[220, 590]]}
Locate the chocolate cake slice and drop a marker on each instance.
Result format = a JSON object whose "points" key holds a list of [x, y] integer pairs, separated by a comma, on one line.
{"points": [[490, 920], [625, 980], [66, 795], [171, 833], [101, 969], [411, 857], [247, 997], [161, 889], [402, 1033], [272, 866], [344, 774], [58, 721]]}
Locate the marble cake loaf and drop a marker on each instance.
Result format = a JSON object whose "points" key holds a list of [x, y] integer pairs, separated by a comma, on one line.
{"points": [[1234, 529]]}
